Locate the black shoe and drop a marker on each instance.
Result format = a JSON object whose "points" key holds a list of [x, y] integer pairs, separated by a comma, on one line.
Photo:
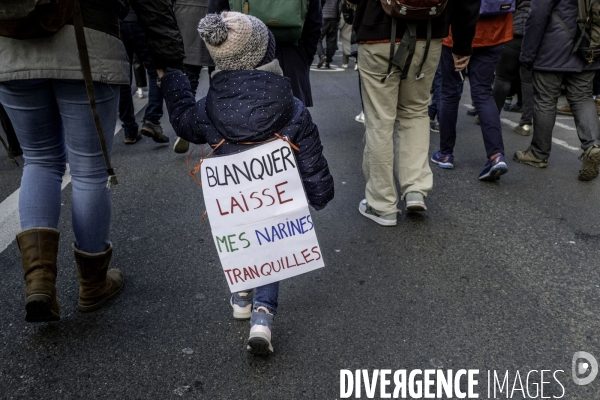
{"points": [[321, 62], [472, 112], [133, 138], [155, 132]]}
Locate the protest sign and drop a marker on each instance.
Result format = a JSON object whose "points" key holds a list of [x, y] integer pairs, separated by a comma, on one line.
{"points": [[259, 216]]}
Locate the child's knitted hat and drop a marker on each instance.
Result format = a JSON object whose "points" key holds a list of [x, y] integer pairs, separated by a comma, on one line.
{"points": [[237, 41]]}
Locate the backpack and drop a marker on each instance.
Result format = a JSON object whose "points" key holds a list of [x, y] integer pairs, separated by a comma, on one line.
{"points": [[30, 19], [587, 39], [410, 10], [285, 18], [489, 8]]}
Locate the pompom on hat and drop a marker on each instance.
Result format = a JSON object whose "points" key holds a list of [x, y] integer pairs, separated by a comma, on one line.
{"points": [[237, 41]]}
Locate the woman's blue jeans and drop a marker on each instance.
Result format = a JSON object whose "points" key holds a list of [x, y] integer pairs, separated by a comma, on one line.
{"points": [[53, 122]]}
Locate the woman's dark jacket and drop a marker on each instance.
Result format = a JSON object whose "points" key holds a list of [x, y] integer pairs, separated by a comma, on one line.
{"points": [[547, 46], [250, 106], [372, 24], [295, 61]]}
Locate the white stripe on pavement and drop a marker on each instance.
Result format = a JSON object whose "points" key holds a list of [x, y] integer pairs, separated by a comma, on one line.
{"points": [[10, 223]]}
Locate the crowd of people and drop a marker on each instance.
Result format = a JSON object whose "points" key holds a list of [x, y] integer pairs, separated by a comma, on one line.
{"points": [[411, 71]]}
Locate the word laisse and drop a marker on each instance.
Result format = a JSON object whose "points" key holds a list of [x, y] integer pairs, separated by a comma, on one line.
{"points": [[271, 163]]}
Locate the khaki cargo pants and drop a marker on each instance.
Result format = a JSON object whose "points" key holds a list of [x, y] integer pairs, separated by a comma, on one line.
{"points": [[397, 124]]}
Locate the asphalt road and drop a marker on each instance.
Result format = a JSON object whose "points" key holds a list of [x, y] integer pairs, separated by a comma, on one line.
{"points": [[494, 276]]}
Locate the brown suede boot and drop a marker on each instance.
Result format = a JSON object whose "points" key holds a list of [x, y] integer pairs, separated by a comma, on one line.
{"points": [[97, 283], [39, 249]]}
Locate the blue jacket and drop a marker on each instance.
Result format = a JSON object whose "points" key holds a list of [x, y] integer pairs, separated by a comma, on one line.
{"points": [[250, 106], [546, 43]]}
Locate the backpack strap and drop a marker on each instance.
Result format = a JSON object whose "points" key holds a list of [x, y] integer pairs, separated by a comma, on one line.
{"points": [[84, 58], [392, 48], [420, 74]]}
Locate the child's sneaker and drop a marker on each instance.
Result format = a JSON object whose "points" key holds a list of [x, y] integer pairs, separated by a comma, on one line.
{"points": [[261, 325], [242, 304], [494, 167]]}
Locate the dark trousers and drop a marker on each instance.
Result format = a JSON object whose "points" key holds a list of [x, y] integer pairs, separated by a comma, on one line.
{"points": [[436, 94], [135, 41], [546, 87], [11, 136], [329, 32], [509, 68], [481, 76], [193, 74]]}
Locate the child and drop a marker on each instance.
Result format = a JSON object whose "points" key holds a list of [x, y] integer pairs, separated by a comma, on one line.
{"points": [[248, 101]]}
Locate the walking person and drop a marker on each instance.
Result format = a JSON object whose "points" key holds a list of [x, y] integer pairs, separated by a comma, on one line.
{"points": [[510, 69], [135, 40], [188, 14], [294, 59], [551, 22], [247, 78], [45, 97], [491, 34], [329, 32], [396, 119]]}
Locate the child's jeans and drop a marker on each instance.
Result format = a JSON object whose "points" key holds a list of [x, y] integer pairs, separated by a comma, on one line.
{"points": [[266, 296]]}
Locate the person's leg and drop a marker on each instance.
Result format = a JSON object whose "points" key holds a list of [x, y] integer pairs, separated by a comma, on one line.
{"points": [[412, 135], [193, 74], [507, 70], [346, 37], [91, 209], [320, 50], [527, 90], [380, 108], [11, 136], [32, 108], [332, 38], [266, 296], [481, 76], [546, 86], [580, 97], [451, 91], [154, 110], [436, 95], [126, 109]]}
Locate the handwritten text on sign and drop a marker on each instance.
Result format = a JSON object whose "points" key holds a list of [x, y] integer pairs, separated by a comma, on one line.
{"points": [[259, 216]]}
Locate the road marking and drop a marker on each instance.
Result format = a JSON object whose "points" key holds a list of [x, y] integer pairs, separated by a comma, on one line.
{"points": [[10, 223]]}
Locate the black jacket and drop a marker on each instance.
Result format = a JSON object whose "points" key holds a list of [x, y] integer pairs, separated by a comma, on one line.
{"points": [[250, 106], [294, 60], [372, 24]]}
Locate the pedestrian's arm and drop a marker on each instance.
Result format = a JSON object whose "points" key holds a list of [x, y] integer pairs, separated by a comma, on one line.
{"points": [[188, 117], [465, 14], [164, 38], [535, 27]]}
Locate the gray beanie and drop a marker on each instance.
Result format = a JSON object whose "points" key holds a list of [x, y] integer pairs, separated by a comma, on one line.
{"points": [[235, 41]]}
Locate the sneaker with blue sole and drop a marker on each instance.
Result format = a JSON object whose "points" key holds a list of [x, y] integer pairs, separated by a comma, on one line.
{"points": [[445, 161], [494, 167]]}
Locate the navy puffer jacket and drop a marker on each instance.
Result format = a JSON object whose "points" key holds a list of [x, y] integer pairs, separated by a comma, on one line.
{"points": [[250, 106]]}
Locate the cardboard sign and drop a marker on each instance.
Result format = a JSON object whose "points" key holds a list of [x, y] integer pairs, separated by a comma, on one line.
{"points": [[259, 216]]}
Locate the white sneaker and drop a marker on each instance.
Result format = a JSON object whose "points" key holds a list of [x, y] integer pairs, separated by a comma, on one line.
{"points": [[360, 118], [140, 93], [261, 324], [356, 67], [344, 66], [242, 304], [415, 202]]}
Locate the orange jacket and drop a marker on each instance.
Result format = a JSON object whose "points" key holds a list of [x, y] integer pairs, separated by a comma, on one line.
{"points": [[490, 31]]}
